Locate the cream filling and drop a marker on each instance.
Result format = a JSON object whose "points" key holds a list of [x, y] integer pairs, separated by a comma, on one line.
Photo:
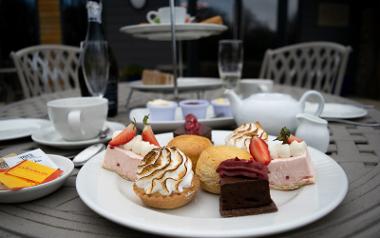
{"points": [[279, 150], [136, 145]]}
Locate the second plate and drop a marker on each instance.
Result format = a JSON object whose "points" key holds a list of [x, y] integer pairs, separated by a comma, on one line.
{"points": [[160, 126]]}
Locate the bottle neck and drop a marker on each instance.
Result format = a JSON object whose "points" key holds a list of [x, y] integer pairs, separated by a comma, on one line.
{"points": [[94, 31], [94, 14]]}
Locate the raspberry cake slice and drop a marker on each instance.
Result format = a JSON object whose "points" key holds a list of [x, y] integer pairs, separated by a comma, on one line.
{"points": [[290, 167], [126, 150]]}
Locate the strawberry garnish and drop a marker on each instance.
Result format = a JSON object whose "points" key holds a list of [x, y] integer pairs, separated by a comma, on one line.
{"points": [[147, 133], [259, 150], [286, 137], [125, 136]]}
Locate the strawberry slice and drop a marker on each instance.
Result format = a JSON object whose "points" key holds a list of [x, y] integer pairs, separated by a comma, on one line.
{"points": [[147, 133], [125, 136], [292, 138], [259, 150]]}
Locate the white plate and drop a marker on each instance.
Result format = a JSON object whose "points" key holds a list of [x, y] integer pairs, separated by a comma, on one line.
{"points": [[49, 136], [159, 126], [19, 128], [150, 28], [113, 198], [28, 194], [181, 35], [184, 84], [339, 111]]}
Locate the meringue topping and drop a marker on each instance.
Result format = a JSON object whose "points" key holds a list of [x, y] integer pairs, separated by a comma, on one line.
{"points": [[241, 136], [164, 170]]}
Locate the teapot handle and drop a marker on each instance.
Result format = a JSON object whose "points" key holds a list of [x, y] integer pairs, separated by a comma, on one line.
{"points": [[320, 99]]}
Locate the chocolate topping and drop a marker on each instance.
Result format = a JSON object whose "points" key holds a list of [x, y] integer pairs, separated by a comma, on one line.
{"points": [[242, 168]]}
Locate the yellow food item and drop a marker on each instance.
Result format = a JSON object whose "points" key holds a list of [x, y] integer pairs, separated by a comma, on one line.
{"points": [[209, 161]]}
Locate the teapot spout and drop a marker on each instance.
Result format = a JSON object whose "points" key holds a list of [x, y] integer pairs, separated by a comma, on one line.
{"points": [[234, 99]]}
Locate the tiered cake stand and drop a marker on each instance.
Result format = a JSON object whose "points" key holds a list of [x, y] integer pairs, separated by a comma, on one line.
{"points": [[174, 32]]}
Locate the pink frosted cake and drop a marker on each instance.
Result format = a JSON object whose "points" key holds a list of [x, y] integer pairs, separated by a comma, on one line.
{"points": [[124, 159], [290, 167]]}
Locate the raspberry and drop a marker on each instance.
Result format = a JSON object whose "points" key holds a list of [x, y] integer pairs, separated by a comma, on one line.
{"points": [[191, 125]]}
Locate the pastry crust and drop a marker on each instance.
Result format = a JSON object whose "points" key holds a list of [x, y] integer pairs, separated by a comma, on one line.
{"points": [[210, 159], [191, 145], [175, 200], [295, 186]]}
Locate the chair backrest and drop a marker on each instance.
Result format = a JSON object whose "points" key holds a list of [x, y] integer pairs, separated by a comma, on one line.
{"points": [[315, 65], [47, 68]]}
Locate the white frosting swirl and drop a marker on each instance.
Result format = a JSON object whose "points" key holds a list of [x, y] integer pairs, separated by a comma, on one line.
{"points": [[165, 170], [221, 101], [138, 146], [241, 136], [161, 102], [279, 150]]}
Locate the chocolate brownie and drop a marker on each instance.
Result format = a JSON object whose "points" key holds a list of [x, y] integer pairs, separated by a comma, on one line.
{"points": [[244, 188]]}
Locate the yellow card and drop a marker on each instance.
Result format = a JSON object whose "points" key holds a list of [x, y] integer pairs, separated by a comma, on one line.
{"points": [[32, 171], [13, 182]]}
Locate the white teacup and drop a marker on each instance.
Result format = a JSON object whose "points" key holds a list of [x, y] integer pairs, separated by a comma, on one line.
{"points": [[78, 118], [247, 87], [163, 14]]}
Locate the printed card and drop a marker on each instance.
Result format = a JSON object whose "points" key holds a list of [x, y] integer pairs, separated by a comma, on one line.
{"points": [[37, 156]]}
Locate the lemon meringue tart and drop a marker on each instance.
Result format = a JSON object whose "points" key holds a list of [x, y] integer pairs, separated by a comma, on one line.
{"points": [[165, 179]]}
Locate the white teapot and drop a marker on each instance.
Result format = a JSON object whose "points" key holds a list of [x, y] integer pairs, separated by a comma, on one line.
{"points": [[272, 110]]}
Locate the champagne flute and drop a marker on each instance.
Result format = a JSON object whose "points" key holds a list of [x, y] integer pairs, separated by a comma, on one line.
{"points": [[95, 66], [230, 62]]}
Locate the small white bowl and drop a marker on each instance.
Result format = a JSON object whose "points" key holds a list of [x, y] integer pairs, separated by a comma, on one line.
{"points": [[197, 107], [162, 112], [31, 193], [221, 109]]}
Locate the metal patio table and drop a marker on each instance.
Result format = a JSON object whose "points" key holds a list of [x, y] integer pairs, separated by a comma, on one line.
{"points": [[63, 214]]}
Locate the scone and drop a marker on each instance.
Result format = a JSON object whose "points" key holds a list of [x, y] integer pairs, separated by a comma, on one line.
{"points": [[165, 179], [209, 161], [191, 145]]}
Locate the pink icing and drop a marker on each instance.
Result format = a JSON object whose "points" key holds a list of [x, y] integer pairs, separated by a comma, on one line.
{"points": [[242, 168], [124, 162]]}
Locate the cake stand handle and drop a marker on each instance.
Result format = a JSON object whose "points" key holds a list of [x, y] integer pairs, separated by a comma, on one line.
{"points": [[174, 48]]}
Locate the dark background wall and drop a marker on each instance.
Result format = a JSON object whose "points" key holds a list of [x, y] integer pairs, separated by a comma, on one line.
{"points": [[262, 24]]}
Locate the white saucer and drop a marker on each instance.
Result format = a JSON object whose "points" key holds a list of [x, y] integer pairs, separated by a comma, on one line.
{"points": [[339, 111], [184, 85], [28, 194], [160, 126], [19, 128], [49, 136]]}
